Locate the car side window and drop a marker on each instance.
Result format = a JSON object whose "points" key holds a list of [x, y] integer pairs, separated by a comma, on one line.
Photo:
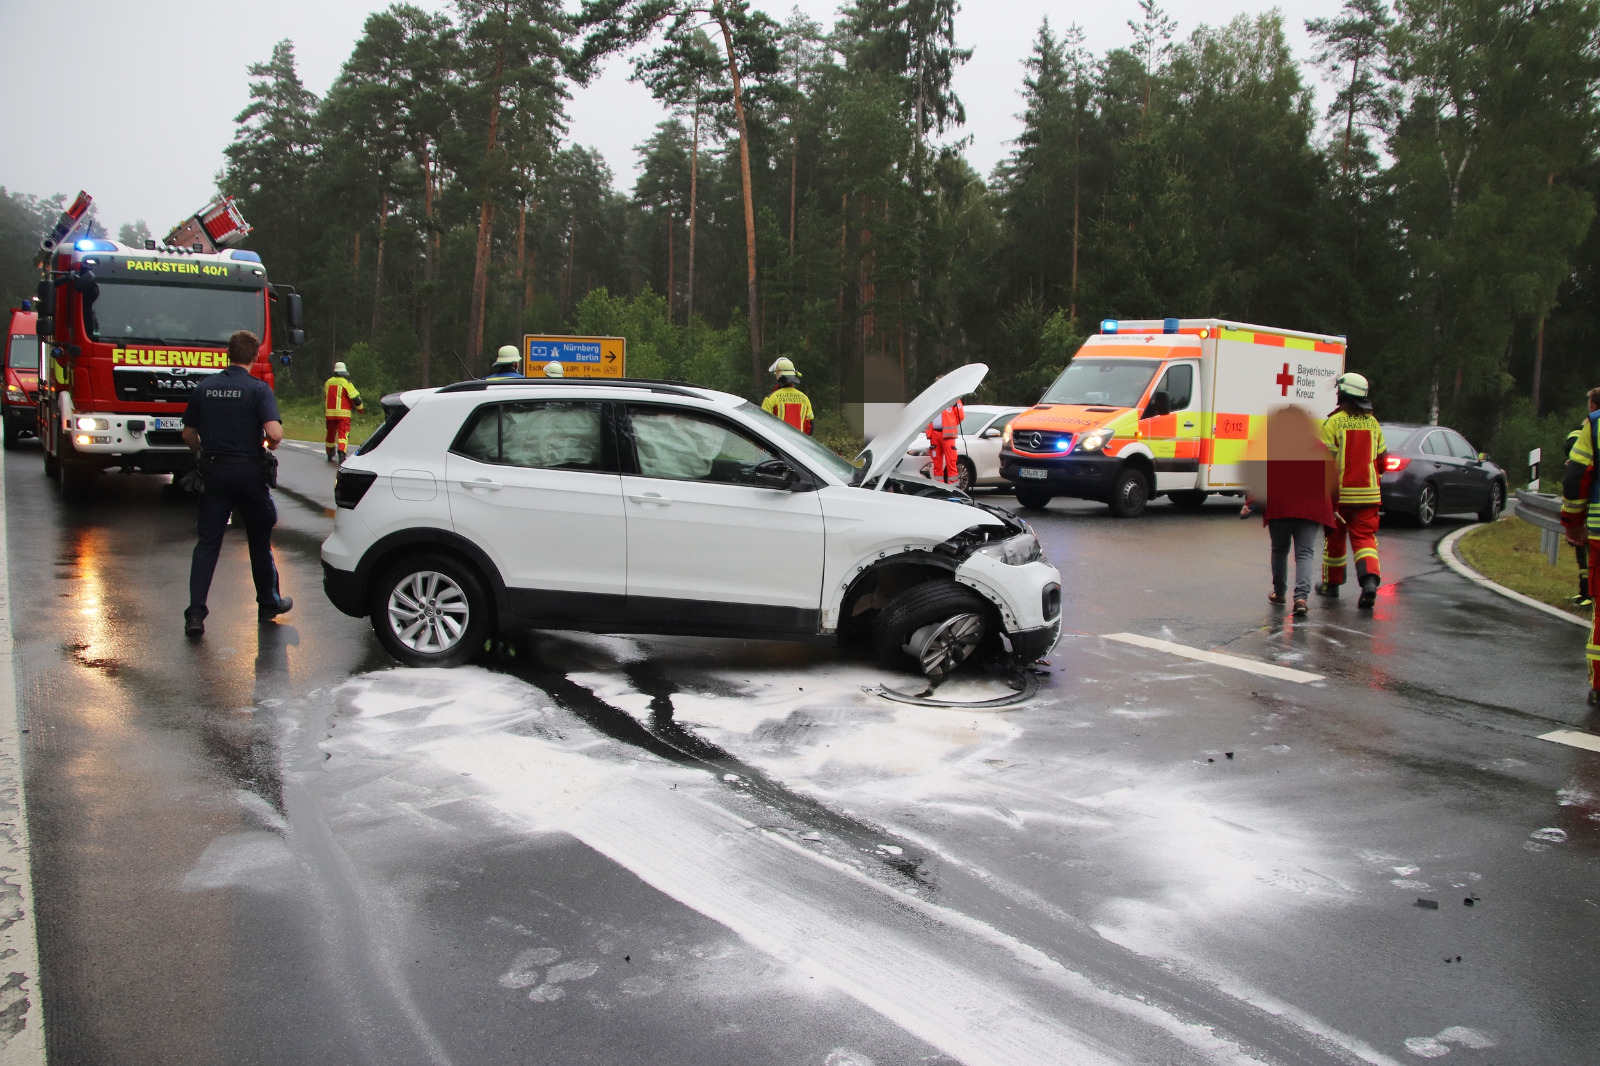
{"points": [[1435, 444], [1178, 384], [544, 435], [692, 446], [1459, 446]]}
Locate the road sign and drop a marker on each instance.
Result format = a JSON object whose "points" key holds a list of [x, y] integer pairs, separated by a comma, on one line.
{"points": [[580, 357]]}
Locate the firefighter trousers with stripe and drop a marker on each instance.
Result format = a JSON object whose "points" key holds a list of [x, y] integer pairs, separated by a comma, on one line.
{"points": [[1357, 534], [1593, 651], [338, 433]]}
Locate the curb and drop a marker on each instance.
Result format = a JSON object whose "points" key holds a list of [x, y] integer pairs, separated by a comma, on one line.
{"points": [[21, 1000], [1447, 554]]}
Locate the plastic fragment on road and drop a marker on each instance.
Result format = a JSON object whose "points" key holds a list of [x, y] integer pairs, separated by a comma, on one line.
{"points": [[1427, 904]]}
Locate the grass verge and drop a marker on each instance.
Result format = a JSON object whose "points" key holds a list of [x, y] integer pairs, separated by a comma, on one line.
{"points": [[1508, 552], [303, 420]]}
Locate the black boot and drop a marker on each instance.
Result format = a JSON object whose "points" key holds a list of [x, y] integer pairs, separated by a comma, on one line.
{"points": [[194, 621], [1369, 592], [266, 612]]}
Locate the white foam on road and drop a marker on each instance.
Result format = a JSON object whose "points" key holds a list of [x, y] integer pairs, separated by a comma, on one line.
{"points": [[1217, 658], [954, 982]]}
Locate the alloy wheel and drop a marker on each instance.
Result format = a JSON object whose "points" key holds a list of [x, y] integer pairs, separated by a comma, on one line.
{"points": [[428, 612]]}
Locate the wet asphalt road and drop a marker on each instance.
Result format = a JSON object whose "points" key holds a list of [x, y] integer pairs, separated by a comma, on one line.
{"points": [[271, 847]]}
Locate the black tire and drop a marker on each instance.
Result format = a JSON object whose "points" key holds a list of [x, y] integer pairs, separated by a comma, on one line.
{"points": [[1427, 506], [1497, 503], [52, 466], [931, 603], [1033, 499], [1190, 500], [1130, 494], [457, 595], [966, 475], [77, 481], [12, 433]]}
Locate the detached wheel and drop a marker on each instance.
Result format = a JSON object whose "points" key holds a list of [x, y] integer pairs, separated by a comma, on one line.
{"points": [[933, 627], [430, 611], [1427, 506], [1033, 499], [1496, 504], [1130, 494], [1189, 501]]}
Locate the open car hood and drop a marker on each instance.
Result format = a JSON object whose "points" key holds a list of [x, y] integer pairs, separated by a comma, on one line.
{"points": [[888, 447]]}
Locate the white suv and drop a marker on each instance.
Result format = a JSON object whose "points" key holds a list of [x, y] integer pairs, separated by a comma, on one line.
{"points": [[656, 507]]}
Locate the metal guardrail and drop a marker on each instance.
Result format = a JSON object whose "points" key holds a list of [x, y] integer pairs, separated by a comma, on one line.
{"points": [[1542, 509]]}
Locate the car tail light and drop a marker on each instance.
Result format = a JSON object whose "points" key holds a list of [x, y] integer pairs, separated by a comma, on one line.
{"points": [[1395, 463], [350, 485]]}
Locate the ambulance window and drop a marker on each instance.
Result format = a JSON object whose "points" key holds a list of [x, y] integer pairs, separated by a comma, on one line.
{"points": [[1178, 384]]}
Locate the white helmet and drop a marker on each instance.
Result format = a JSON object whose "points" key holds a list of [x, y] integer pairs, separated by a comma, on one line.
{"points": [[340, 369], [507, 354], [552, 369]]}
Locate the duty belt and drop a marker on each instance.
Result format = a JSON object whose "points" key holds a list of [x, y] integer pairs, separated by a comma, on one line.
{"points": [[224, 460]]}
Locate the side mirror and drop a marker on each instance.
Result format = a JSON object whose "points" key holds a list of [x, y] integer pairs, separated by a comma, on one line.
{"points": [[297, 337], [294, 314], [1483, 457], [989, 434], [773, 474], [1160, 404]]}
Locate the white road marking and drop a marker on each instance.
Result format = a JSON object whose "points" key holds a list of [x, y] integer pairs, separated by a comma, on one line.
{"points": [[22, 1034], [1572, 737], [1447, 552], [1236, 662]]}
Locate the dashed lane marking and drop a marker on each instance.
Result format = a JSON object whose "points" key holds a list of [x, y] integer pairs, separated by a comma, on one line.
{"points": [[21, 1007], [1572, 737], [1235, 662]]}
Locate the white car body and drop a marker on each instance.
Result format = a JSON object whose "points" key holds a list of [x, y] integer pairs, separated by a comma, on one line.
{"points": [[978, 442], [621, 540]]}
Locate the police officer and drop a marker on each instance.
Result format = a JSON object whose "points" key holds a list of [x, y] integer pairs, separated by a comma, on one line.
{"points": [[228, 418], [507, 363]]}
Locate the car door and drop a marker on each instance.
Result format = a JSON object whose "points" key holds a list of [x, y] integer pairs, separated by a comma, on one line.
{"points": [[1444, 470], [1174, 437], [709, 551], [1474, 478], [984, 450], [535, 485]]}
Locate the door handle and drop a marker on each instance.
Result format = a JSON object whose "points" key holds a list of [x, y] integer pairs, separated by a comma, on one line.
{"points": [[649, 497], [1188, 425], [483, 483]]}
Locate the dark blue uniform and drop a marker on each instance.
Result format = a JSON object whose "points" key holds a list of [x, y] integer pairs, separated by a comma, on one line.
{"points": [[228, 410], [509, 371]]}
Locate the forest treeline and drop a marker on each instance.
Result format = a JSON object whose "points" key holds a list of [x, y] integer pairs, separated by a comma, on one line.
{"points": [[808, 196]]}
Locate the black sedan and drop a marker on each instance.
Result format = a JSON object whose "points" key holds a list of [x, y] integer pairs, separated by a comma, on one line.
{"points": [[1432, 471]]}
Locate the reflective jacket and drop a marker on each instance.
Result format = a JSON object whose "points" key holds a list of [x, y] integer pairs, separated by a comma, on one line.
{"points": [[1358, 450], [950, 419], [1579, 487], [340, 397], [790, 405]]}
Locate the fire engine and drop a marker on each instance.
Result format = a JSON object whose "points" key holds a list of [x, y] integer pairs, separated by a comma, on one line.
{"points": [[129, 333], [1165, 407]]}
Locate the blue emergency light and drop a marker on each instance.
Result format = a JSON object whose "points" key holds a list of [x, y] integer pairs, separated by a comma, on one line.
{"points": [[1169, 325], [1108, 326], [244, 255], [91, 244]]}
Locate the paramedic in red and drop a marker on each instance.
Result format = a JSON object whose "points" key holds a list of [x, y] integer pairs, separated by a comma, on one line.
{"points": [[942, 433], [786, 402], [1355, 441]]}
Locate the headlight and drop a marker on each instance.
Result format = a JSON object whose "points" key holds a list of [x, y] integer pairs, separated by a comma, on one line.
{"points": [[93, 423], [16, 395], [1014, 551], [1005, 435], [1094, 440]]}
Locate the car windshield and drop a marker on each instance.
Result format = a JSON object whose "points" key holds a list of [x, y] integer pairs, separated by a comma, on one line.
{"points": [[1103, 382], [183, 314], [810, 447], [24, 352]]}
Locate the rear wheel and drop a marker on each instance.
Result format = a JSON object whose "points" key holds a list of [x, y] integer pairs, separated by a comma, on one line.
{"points": [[430, 610], [1033, 499], [1130, 494], [933, 627], [966, 476], [1427, 505], [1189, 500], [1496, 504]]}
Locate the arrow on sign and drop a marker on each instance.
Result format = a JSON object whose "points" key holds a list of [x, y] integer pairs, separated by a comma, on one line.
{"points": [[611, 357]]}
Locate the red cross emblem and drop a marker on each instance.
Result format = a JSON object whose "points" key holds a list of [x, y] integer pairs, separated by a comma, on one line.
{"points": [[1285, 379]]}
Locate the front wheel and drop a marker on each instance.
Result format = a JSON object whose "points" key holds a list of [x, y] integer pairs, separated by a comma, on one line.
{"points": [[430, 610], [13, 433], [934, 626], [1130, 494], [1496, 504], [1033, 499], [1427, 506]]}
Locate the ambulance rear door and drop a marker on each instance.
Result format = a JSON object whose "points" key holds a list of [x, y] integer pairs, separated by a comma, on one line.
{"points": [[1257, 372]]}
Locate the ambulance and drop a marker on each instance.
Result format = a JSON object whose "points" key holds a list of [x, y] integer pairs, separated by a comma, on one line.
{"points": [[1164, 407]]}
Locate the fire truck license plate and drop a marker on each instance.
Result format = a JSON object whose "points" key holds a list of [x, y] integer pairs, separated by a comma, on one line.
{"points": [[166, 423], [1033, 472]]}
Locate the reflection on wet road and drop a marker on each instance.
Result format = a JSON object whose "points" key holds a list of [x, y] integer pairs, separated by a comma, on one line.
{"points": [[271, 846]]}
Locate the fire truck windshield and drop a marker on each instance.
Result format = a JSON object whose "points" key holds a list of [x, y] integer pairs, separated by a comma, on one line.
{"points": [[1102, 382], [24, 353], [174, 314]]}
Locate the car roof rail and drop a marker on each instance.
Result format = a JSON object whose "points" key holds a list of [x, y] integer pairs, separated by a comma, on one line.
{"points": [[679, 388]]}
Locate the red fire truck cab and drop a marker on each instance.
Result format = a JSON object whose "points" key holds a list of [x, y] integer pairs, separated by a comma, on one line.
{"points": [[21, 376], [129, 333]]}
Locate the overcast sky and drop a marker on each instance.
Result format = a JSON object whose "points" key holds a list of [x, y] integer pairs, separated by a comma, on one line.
{"points": [[136, 102]]}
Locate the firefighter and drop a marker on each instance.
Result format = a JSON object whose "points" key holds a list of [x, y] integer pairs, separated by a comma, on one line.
{"points": [[1582, 599], [1580, 515], [233, 422], [340, 398], [786, 402], [507, 363], [1355, 441]]}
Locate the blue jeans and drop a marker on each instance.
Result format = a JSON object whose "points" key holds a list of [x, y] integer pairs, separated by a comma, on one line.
{"points": [[1303, 533]]}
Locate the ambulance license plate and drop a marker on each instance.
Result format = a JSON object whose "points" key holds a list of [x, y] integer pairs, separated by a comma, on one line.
{"points": [[1033, 472], [166, 423]]}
